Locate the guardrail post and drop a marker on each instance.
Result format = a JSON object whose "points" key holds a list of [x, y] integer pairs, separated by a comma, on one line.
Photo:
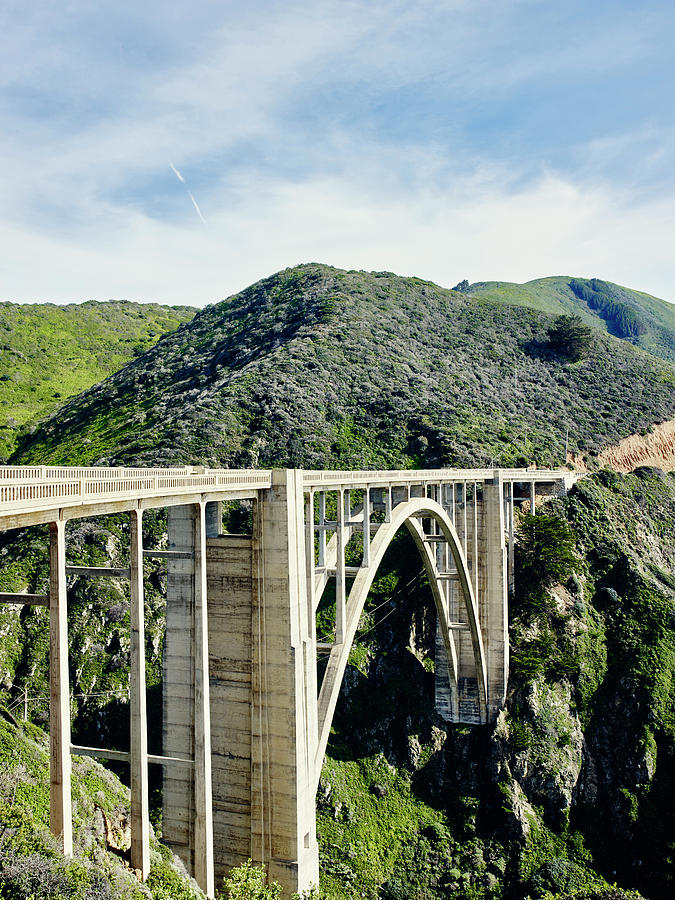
{"points": [[140, 819], [60, 815]]}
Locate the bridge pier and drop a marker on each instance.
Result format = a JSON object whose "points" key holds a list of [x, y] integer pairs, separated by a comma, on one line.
{"points": [[496, 627], [263, 693]]}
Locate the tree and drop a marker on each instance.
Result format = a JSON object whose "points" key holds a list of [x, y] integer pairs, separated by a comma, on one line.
{"points": [[570, 338], [544, 555], [462, 286]]}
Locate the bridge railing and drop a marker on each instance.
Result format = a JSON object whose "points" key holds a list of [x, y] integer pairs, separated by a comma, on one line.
{"points": [[318, 478], [55, 473], [161, 482], [40, 486]]}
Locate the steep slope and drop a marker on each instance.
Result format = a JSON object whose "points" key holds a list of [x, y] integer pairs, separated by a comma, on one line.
{"points": [[632, 315], [317, 367], [31, 865], [49, 353]]}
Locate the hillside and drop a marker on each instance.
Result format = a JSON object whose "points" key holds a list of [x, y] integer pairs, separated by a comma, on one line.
{"points": [[320, 367], [49, 353], [632, 315], [31, 866]]}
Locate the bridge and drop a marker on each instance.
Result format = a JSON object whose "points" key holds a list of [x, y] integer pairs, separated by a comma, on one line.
{"points": [[245, 721]]}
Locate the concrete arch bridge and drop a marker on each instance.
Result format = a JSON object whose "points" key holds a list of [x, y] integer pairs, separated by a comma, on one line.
{"points": [[245, 726]]}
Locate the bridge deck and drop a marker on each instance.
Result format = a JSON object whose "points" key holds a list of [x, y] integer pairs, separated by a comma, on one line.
{"points": [[32, 495]]}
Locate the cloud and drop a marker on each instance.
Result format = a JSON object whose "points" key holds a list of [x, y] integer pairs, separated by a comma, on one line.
{"points": [[449, 138], [479, 231]]}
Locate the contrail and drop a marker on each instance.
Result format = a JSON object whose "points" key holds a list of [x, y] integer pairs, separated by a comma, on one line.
{"points": [[194, 203], [177, 173], [189, 192]]}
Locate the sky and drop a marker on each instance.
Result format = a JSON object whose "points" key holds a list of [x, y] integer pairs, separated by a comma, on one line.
{"points": [[177, 152]]}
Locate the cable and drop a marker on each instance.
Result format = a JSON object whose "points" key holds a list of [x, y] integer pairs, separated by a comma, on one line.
{"points": [[396, 594]]}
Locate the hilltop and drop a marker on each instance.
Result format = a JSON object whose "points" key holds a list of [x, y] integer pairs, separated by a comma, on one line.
{"points": [[319, 367], [631, 315], [49, 353]]}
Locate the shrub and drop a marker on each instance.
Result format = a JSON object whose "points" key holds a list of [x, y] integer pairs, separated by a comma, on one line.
{"points": [[248, 882]]}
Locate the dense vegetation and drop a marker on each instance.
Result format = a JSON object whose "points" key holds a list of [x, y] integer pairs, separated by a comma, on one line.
{"points": [[49, 353], [632, 315], [31, 865], [621, 319], [570, 338], [317, 367]]}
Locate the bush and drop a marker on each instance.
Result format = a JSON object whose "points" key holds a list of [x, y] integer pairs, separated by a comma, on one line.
{"points": [[248, 882]]}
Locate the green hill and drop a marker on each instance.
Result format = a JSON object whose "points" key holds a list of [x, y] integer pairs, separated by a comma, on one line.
{"points": [[49, 353], [632, 315], [319, 367]]}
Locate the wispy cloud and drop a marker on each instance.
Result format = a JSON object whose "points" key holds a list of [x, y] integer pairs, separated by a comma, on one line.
{"points": [[451, 138]]}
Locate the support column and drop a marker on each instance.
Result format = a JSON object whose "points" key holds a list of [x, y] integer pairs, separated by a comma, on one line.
{"points": [[214, 519], [284, 714], [366, 526], [178, 687], [60, 814], [496, 638], [512, 539], [340, 579], [203, 824], [138, 755]]}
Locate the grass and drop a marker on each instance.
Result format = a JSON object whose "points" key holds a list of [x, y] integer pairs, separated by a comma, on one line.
{"points": [[50, 353]]}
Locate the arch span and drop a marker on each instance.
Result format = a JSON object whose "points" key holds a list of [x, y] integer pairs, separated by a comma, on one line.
{"points": [[410, 514]]}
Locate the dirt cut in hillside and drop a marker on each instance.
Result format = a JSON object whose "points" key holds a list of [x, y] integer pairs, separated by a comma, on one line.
{"points": [[657, 448]]}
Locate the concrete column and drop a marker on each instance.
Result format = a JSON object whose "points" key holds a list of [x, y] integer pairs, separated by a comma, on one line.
{"points": [[138, 755], [533, 508], [496, 637], [230, 593], [366, 526], [284, 715], [214, 519], [464, 522], [322, 530], [60, 815], [203, 824], [512, 539], [476, 560], [178, 687], [340, 579]]}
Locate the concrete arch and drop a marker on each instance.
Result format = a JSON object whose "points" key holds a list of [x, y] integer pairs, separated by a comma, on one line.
{"points": [[409, 514]]}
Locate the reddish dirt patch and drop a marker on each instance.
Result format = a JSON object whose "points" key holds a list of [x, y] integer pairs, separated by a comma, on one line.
{"points": [[654, 449]]}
